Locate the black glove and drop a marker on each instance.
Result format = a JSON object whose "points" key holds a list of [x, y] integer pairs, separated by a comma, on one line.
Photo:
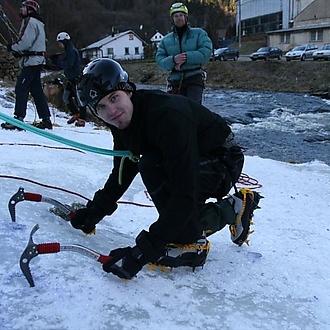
{"points": [[126, 262], [9, 49], [86, 218]]}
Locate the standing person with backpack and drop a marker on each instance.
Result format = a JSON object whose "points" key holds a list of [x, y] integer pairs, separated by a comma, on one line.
{"points": [[71, 64], [30, 49], [183, 52]]}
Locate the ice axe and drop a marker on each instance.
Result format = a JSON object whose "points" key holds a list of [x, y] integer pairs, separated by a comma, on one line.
{"points": [[64, 211], [21, 196], [33, 250]]}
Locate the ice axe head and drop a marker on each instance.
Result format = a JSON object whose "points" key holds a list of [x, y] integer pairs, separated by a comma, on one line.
{"points": [[29, 253], [32, 250], [17, 197]]}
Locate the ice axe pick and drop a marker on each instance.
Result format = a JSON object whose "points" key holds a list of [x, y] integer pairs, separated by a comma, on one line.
{"points": [[33, 250], [21, 196]]}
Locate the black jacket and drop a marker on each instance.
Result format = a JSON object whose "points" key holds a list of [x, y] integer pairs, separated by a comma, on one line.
{"points": [[180, 130], [70, 62]]}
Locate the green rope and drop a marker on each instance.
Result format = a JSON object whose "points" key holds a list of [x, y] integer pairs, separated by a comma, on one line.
{"points": [[63, 140]]}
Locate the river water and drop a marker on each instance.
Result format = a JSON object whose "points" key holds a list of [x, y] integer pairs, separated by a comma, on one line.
{"points": [[281, 126]]}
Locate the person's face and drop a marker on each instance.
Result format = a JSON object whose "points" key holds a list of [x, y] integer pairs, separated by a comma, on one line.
{"points": [[116, 109], [23, 11], [179, 19], [60, 44]]}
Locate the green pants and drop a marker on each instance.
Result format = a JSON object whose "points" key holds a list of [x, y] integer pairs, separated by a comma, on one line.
{"points": [[215, 216]]}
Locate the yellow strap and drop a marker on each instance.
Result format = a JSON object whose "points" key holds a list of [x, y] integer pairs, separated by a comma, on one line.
{"points": [[154, 266]]}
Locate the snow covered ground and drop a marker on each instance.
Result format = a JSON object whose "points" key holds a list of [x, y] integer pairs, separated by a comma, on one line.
{"points": [[281, 281]]}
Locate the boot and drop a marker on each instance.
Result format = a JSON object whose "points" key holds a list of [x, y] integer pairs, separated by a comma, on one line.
{"points": [[215, 216], [11, 126], [80, 123], [190, 255], [45, 123], [73, 118], [244, 203]]}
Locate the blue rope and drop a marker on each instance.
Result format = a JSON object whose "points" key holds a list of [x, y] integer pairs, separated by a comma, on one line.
{"points": [[63, 140]]}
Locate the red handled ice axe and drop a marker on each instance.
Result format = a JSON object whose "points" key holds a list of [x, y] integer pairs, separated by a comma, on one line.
{"points": [[21, 196], [33, 250], [66, 212]]}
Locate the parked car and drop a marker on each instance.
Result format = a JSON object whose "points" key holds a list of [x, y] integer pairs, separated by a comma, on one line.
{"points": [[266, 53], [301, 52], [224, 54], [322, 53]]}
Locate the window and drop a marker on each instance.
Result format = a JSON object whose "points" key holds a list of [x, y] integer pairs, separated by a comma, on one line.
{"points": [[136, 49], [285, 38], [110, 51], [130, 36], [262, 24], [316, 35], [126, 50]]}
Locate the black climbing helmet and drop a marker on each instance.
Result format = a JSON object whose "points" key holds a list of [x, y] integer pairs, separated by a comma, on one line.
{"points": [[101, 77]]}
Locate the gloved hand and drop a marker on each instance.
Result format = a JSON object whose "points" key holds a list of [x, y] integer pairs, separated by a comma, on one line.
{"points": [[126, 262], [86, 218]]}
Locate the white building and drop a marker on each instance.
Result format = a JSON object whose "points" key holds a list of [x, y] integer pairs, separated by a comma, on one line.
{"points": [[120, 46], [311, 25], [284, 23], [261, 16], [156, 39]]}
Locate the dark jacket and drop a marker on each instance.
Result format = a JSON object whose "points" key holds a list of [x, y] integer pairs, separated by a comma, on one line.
{"points": [[70, 62], [180, 130]]}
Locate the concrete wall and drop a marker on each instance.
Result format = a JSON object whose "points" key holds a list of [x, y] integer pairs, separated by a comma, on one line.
{"points": [[317, 13]]}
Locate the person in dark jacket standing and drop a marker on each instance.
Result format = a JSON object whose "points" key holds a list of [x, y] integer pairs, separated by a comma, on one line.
{"points": [[71, 64], [187, 155], [30, 48], [183, 52]]}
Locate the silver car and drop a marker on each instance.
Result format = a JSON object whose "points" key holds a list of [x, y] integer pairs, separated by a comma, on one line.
{"points": [[301, 53], [323, 53]]}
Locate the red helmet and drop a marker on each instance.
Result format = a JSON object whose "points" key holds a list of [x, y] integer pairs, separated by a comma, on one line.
{"points": [[31, 4]]}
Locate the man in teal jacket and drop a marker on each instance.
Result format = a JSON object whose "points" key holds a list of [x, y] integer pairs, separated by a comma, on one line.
{"points": [[183, 52]]}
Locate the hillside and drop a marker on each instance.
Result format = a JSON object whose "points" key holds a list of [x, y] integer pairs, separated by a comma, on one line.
{"points": [[299, 77]]}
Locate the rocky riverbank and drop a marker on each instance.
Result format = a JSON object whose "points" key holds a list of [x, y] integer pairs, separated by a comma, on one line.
{"points": [[296, 76]]}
